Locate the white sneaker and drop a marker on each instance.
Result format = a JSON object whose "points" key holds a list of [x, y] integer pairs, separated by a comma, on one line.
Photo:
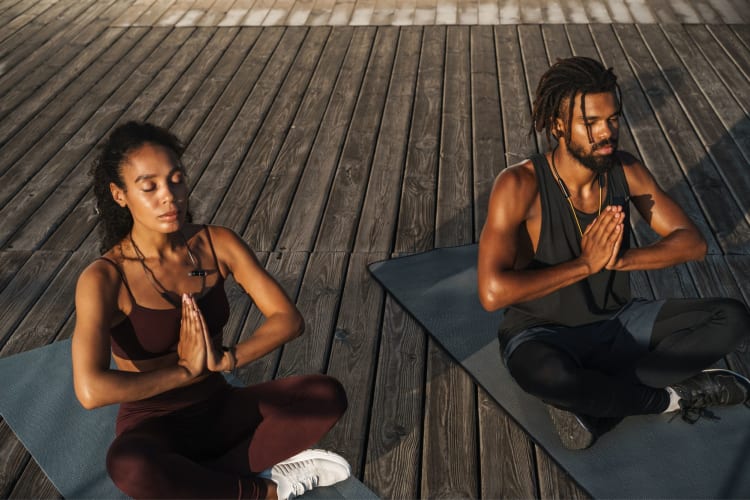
{"points": [[307, 470]]}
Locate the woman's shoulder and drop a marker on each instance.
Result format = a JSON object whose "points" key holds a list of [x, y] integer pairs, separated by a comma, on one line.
{"points": [[102, 276]]}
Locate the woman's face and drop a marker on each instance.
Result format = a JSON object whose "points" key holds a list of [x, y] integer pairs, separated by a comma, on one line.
{"points": [[155, 189]]}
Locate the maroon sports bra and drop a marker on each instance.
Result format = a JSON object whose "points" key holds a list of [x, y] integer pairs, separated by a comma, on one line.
{"points": [[150, 333]]}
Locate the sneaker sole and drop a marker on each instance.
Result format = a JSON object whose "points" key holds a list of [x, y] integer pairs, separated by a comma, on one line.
{"points": [[730, 372], [573, 434], [320, 455]]}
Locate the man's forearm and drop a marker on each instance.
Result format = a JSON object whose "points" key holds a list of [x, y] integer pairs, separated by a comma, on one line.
{"points": [[676, 248]]}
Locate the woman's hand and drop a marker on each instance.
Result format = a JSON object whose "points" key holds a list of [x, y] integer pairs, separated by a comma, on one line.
{"points": [[191, 348]]}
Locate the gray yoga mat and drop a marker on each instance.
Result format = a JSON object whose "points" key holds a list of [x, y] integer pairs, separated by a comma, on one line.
{"points": [[70, 443], [642, 457]]}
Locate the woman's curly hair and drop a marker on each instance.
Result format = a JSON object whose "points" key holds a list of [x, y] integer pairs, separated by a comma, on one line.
{"points": [[126, 138]]}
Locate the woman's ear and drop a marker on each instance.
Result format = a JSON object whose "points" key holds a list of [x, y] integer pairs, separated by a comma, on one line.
{"points": [[118, 194]]}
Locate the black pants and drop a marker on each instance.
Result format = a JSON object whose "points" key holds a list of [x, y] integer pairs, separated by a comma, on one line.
{"points": [[688, 336]]}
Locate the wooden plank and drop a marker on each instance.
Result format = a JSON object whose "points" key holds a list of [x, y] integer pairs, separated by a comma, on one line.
{"points": [[19, 296], [300, 12], [76, 225], [287, 269], [531, 12], [446, 12], [362, 12], [716, 200], [384, 12], [242, 193], [176, 11], [723, 65], [727, 157], [425, 12], [535, 64], [27, 30], [133, 13], [415, 231], [59, 186], [395, 440], [50, 311], [51, 33], [342, 12], [468, 12], [653, 146], [685, 12], [236, 13], [555, 482], [733, 46], [320, 12], [352, 358], [507, 455], [721, 100], [596, 11], [620, 12], [663, 12], [575, 11], [14, 20], [267, 218], [727, 11], [307, 207], [21, 61], [49, 81], [153, 13], [640, 11], [10, 262], [341, 216], [513, 95], [19, 157], [454, 208], [266, 61], [318, 301], [377, 222], [33, 483], [258, 12], [13, 459], [489, 12], [450, 399], [278, 14], [706, 12], [721, 210]]}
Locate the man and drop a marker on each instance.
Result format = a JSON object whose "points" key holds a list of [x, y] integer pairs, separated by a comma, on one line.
{"points": [[555, 251]]}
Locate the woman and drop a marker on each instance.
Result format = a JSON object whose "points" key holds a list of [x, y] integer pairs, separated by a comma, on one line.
{"points": [[155, 303]]}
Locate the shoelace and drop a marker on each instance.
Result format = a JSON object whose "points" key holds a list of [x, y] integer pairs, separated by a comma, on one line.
{"points": [[302, 476]]}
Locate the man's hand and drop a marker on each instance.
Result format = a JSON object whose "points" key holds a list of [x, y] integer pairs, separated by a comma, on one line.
{"points": [[602, 239]]}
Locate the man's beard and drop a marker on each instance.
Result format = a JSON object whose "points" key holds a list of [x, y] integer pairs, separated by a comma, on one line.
{"points": [[599, 164]]}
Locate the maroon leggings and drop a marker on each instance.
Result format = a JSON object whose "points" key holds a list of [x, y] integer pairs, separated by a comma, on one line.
{"points": [[210, 440]]}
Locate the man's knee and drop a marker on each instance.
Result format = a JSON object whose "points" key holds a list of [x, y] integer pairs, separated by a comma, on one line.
{"points": [[545, 375], [736, 318]]}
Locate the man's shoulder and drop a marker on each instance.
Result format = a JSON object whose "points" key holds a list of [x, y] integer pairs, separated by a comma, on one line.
{"points": [[628, 160]]}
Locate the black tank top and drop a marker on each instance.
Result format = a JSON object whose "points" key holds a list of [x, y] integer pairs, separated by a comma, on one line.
{"points": [[595, 298]]}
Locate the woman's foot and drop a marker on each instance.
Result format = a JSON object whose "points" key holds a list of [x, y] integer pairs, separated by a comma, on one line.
{"points": [[307, 470]]}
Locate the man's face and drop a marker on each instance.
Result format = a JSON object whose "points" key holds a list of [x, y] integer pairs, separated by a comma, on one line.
{"points": [[602, 120]]}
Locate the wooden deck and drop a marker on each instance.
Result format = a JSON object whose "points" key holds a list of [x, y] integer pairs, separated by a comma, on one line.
{"points": [[330, 147]]}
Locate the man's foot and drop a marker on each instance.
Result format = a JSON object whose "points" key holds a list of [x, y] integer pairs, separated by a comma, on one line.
{"points": [[713, 387], [307, 470], [576, 432]]}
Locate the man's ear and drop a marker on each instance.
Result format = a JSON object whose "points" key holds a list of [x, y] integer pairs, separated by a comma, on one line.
{"points": [[558, 129], [118, 194]]}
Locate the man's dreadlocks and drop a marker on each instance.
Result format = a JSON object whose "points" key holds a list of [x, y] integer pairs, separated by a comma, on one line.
{"points": [[559, 86]]}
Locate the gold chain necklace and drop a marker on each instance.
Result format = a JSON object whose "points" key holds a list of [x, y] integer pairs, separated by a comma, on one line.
{"points": [[566, 193]]}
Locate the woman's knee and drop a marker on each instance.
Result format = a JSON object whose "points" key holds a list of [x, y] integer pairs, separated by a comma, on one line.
{"points": [[132, 467]]}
